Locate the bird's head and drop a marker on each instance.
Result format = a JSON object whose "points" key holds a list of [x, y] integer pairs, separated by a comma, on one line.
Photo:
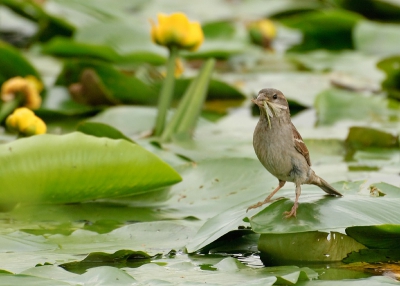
{"points": [[272, 101]]}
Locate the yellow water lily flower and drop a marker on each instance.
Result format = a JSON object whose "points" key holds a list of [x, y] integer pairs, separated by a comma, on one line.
{"points": [[176, 30], [262, 32], [24, 121], [29, 86]]}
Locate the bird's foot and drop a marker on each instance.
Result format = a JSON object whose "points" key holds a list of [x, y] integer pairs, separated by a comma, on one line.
{"points": [[259, 204], [292, 212]]}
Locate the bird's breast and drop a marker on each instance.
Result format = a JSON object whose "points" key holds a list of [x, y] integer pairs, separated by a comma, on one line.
{"points": [[275, 150]]}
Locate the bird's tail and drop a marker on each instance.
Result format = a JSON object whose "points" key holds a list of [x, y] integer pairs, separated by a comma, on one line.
{"points": [[318, 181]]}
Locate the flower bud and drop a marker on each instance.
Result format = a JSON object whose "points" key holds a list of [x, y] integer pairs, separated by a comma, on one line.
{"points": [[176, 30], [24, 121], [28, 86]]}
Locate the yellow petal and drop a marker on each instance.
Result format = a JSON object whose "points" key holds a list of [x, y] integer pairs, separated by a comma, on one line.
{"points": [[176, 30], [11, 86], [35, 82], [29, 87], [267, 28], [26, 122], [195, 37], [32, 97]]}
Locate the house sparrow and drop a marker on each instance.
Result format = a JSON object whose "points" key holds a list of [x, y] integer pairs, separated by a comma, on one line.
{"points": [[280, 148]]}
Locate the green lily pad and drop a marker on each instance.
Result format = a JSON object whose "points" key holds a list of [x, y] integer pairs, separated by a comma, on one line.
{"points": [[330, 29], [18, 242], [314, 246], [364, 137], [65, 47], [377, 38], [318, 212], [118, 259], [391, 84], [49, 25], [334, 105], [58, 103], [378, 236], [382, 10], [119, 86], [373, 281], [132, 121], [13, 63], [68, 168], [101, 130], [150, 237], [373, 256], [355, 70], [114, 35]]}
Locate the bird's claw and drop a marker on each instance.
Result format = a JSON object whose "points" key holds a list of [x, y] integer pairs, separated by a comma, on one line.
{"points": [[292, 212]]}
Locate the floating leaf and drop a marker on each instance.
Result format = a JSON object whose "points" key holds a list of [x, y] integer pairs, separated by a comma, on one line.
{"points": [[121, 87], [101, 130], [373, 256], [65, 47], [377, 38], [58, 104], [382, 10], [314, 246], [334, 105], [118, 259], [391, 66], [49, 25], [330, 29], [364, 137], [318, 212], [378, 236], [76, 167], [14, 64]]}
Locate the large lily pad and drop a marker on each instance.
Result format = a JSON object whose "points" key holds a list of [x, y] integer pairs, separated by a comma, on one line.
{"points": [[314, 246], [380, 236], [117, 85], [14, 64], [318, 212], [331, 29], [377, 38], [76, 167], [334, 105]]}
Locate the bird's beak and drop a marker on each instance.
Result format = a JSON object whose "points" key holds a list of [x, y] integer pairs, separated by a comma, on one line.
{"points": [[260, 103]]}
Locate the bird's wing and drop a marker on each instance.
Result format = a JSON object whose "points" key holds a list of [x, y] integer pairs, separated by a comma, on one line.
{"points": [[300, 146]]}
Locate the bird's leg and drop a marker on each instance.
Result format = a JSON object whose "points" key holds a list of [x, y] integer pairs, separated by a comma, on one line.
{"points": [[268, 199], [296, 203]]}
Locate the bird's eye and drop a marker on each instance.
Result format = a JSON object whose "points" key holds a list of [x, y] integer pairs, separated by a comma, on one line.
{"points": [[275, 96]]}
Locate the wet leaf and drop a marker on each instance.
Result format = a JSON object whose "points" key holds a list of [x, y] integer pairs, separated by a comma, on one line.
{"points": [[294, 248], [65, 47], [378, 236], [373, 256], [67, 168], [121, 87], [101, 130], [329, 29], [49, 25], [334, 105], [377, 38], [150, 237], [318, 212], [391, 66], [364, 137], [58, 103], [13, 63], [118, 259]]}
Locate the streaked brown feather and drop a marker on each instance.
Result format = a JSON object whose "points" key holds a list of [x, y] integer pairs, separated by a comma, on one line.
{"points": [[299, 145]]}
